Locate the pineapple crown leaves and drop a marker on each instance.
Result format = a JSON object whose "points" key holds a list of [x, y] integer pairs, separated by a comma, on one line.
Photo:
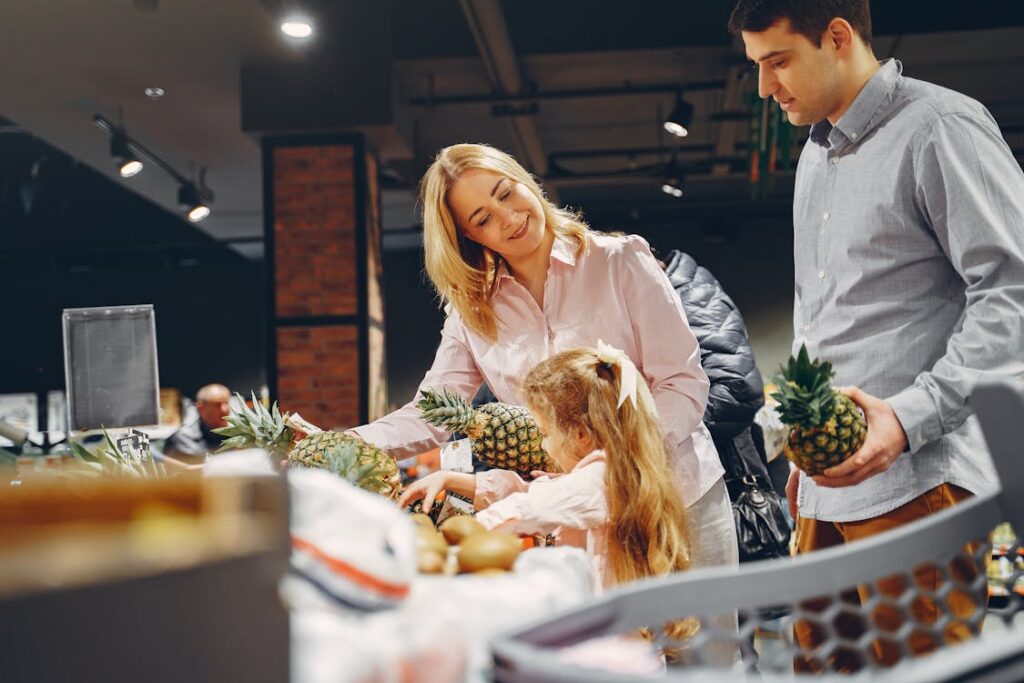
{"points": [[112, 461], [255, 427], [805, 393], [343, 460], [445, 409]]}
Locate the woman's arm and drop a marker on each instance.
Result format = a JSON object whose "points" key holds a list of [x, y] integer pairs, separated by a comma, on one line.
{"points": [[669, 354], [403, 433]]}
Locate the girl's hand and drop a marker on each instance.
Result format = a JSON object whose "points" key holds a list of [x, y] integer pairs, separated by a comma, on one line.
{"points": [[426, 488]]}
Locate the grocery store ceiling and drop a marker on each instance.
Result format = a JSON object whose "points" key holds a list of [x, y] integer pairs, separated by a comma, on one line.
{"points": [[604, 152]]}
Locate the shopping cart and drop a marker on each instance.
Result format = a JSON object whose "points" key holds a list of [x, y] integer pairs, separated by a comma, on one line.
{"points": [[880, 632]]}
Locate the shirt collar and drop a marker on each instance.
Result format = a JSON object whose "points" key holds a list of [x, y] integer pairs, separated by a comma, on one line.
{"points": [[861, 117], [589, 459], [561, 250]]}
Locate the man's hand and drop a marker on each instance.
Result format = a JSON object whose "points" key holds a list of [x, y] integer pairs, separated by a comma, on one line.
{"points": [[792, 487], [885, 441]]}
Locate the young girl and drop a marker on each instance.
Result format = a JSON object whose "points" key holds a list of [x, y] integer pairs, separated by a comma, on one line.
{"points": [[616, 498]]}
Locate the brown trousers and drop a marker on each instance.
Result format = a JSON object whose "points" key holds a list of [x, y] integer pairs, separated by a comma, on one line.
{"points": [[887, 619]]}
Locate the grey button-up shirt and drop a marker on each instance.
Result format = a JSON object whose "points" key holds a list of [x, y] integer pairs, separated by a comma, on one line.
{"points": [[909, 250]]}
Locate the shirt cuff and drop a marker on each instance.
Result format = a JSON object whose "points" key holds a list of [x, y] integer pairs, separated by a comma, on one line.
{"points": [[917, 414]]}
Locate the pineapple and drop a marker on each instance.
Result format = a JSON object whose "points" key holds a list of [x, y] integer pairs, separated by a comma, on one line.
{"points": [[307, 445], [825, 427], [503, 436]]}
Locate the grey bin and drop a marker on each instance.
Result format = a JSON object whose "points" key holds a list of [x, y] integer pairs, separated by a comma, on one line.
{"points": [[994, 654]]}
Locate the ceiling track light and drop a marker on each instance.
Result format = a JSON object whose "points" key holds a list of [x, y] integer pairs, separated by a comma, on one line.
{"points": [[127, 163], [679, 121], [194, 197], [673, 182], [295, 23]]}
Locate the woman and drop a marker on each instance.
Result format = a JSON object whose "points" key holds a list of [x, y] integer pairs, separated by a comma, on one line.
{"points": [[522, 280]]}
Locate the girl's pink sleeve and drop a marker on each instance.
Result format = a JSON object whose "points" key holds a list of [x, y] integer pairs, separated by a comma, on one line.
{"points": [[575, 500]]}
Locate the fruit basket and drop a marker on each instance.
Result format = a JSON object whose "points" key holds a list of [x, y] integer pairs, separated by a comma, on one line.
{"points": [[878, 631]]}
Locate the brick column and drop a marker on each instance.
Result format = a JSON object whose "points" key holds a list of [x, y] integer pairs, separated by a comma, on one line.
{"points": [[322, 236]]}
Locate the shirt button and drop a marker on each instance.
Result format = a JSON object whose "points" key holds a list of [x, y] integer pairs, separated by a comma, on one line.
{"points": [[835, 160], [853, 136], [821, 274], [827, 214]]}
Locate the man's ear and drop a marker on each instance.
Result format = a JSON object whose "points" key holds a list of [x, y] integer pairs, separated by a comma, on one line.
{"points": [[840, 35]]}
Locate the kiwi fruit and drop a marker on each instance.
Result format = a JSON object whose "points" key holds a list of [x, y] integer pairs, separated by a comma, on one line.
{"points": [[420, 519], [430, 540], [429, 562], [489, 550], [460, 527]]}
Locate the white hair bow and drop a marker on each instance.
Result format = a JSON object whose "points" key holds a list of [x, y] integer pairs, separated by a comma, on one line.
{"points": [[630, 383]]}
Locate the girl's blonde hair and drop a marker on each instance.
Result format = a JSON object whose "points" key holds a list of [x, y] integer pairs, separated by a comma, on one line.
{"points": [[647, 535], [463, 272]]}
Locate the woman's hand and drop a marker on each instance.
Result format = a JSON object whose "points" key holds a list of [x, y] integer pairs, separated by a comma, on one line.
{"points": [[426, 488]]}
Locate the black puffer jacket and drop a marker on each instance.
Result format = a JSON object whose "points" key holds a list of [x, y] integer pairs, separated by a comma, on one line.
{"points": [[737, 392]]}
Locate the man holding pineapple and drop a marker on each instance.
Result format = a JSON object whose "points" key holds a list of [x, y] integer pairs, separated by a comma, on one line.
{"points": [[908, 238]]}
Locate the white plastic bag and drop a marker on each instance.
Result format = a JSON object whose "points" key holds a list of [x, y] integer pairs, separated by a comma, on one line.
{"points": [[355, 545]]}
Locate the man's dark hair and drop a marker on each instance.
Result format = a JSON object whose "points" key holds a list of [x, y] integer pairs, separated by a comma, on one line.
{"points": [[809, 18]]}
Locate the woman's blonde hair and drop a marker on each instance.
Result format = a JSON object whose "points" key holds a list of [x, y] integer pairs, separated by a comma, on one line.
{"points": [[463, 272], [574, 390]]}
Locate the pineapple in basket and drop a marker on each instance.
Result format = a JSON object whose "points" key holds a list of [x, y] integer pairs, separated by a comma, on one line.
{"points": [[351, 458], [503, 436], [825, 426]]}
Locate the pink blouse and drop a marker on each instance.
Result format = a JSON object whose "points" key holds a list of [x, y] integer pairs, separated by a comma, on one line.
{"points": [[615, 291]]}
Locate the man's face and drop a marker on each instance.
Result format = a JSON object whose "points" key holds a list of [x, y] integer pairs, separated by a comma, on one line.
{"points": [[213, 408], [802, 77]]}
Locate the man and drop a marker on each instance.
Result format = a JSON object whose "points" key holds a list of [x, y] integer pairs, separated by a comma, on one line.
{"points": [[908, 235], [195, 438]]}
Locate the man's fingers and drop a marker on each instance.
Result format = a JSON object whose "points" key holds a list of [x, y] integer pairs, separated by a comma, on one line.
{"points": [[862, 458], [855, 393]]}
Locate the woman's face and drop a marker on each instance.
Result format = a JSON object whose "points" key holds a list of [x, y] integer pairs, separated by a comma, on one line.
{"points": [[497, 212]]}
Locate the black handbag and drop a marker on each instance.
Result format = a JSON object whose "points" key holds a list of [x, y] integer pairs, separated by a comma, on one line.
{"points": [[762, 529]]}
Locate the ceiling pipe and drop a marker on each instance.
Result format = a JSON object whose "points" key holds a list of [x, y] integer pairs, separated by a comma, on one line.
{"points": [[487, 24], [567, 93]]}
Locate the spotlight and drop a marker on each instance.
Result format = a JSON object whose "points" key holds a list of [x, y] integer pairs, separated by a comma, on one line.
{"points": [[127, 163], [679, 121], [673, 183], [296, 26], [193, 202], [193, 195]]}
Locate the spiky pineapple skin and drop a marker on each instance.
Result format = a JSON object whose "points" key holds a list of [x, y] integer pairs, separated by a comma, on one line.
{"points": [[503, 436], [506, 437], [816, 449], [278, 433], [310, 451]]}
